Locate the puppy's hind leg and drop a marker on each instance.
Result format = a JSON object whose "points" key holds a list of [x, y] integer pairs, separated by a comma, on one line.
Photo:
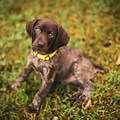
{"points": [[81, 79], [82, 95]]}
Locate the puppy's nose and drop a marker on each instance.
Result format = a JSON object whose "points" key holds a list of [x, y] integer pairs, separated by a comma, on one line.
{"points": [[40, 44]]}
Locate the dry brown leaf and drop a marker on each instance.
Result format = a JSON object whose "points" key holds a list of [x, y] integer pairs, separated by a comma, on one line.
{"points": [[88, 103], [118, 61], [55, 118]]}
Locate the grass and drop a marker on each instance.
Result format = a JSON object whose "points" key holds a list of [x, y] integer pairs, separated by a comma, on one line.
{"points": [[92, 29]]}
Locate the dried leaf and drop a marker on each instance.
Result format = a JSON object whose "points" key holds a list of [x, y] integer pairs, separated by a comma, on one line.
{"points": [[118, 61], [55, 118], [88, 103]]}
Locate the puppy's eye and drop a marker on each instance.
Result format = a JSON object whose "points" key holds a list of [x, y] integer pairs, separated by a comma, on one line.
{"points": [[37, 29], [50, 34]]}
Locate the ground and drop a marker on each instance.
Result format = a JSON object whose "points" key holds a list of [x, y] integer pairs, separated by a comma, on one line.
{"points": [[93, 27]]}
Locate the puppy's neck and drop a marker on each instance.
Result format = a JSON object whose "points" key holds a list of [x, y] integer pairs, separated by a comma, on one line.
{"points": [[44, 57]]}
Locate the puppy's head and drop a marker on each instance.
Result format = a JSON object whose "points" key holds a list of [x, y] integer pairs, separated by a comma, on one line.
{"points": [[47, 36]]}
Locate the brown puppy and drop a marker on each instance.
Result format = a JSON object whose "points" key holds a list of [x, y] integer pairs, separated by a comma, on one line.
{"points": [[54, 61]]}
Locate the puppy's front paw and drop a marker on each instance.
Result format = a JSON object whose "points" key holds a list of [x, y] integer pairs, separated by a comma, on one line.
{"points": [[32, 108]]}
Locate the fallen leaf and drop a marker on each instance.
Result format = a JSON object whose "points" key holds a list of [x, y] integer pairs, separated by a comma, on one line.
{"points": [[118, 61], [55, 118], [88, 103]]}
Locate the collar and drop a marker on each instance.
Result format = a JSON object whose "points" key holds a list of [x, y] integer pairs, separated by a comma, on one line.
{"points": [[44, 57]]}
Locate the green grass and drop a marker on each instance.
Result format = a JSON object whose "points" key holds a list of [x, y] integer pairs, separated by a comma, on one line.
{"points": [[93, 27]]}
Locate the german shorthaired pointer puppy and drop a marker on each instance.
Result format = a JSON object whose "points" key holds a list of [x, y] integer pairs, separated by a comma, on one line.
{"points": [[54, 61]]}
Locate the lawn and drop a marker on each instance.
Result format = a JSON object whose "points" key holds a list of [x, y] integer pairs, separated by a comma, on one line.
{"points": [[93, 27]]}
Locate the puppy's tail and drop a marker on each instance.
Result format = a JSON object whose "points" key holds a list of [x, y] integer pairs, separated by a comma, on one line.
{"points": [[99, 69]]}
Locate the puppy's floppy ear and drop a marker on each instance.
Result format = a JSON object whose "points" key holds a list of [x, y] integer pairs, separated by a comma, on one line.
{"points": [[62, 38], [30, 27]]}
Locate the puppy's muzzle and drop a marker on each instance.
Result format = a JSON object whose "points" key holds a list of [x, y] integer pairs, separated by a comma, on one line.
{"points": [[37, 44]]}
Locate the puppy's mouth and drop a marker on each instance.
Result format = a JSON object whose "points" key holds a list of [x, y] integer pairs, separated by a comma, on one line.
{"points": [[41, 51]]}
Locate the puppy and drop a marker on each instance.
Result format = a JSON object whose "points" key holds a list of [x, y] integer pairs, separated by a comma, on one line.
{"points": [[54, 61]]}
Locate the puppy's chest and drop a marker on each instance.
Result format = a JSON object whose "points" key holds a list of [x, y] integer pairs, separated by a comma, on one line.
{"points": [[40, 65]]}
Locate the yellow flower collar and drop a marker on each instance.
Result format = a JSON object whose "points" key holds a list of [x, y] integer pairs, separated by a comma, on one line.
{"points": [[44, 57]]}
